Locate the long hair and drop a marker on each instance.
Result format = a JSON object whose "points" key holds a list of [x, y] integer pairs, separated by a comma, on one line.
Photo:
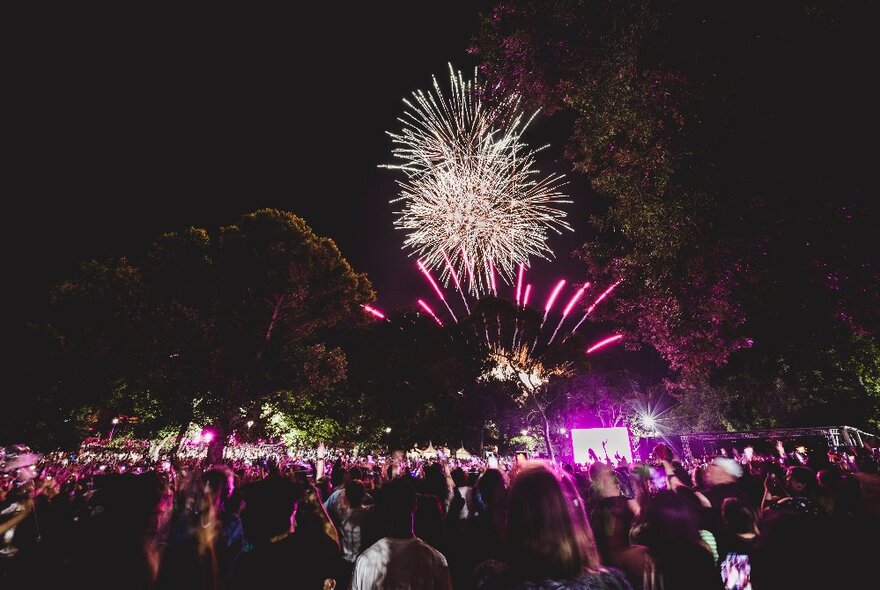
{"points": [[582, 529], [546, 541]]}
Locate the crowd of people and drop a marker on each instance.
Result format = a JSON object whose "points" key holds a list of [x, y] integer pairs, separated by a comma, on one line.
{"points": [[785, 520]]}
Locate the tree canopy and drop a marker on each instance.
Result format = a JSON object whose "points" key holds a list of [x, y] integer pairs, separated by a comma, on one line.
{"points": [[209, 326], [734, 198]]}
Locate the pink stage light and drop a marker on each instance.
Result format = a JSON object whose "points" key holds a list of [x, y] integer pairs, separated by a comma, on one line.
{"points": [[603, 343], [430, 312]]}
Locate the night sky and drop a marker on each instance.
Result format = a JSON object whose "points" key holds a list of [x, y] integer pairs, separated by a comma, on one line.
{"points": [[159, 122]]}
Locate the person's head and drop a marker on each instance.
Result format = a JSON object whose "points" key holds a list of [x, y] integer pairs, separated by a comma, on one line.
{"points": [[663, 452], [435, 481], [354, 493], [544, 540], [337, 474], [491, 489], [582, 529], [669, 521], [219, 484], [269, 509], [396, 503], [738, 517], [723, 470], [801, 481], [355, 473], [459, 477]]}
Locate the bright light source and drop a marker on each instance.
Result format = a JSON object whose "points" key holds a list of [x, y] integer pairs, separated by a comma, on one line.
{"points": [[250, 423], [524, 431], [115, 420], [207, 436], [388, 430], [562, 431], [648, 421]]}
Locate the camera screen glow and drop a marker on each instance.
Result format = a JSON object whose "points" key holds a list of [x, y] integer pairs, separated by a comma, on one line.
{"points": [[616, 442]]}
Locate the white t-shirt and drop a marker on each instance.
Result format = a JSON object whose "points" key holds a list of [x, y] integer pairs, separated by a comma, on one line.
{"points": [[401, 564]]}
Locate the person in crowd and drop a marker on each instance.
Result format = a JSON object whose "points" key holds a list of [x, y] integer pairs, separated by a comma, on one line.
{"points": [[118, 547], [549, 544], [611, 515], [400, 559], [462, 490], [668, 527], [740, 529], [798, 493], [279, 550], [353, 529]]}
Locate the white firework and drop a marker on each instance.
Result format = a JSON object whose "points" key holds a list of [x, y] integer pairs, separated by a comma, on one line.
{"points": [[473, 200]]}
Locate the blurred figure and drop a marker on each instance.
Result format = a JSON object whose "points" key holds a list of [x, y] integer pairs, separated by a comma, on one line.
{"points": [[400, 559], [549, 544], [669, 528], [279, 549]]}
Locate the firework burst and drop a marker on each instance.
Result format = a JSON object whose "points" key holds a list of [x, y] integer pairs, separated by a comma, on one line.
{"points": [[473, 201]]}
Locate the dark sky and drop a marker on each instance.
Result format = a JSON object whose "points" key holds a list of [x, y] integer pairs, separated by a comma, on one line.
{"points": [[125, 126]]}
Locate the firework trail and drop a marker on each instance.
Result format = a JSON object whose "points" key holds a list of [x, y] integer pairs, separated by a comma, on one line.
{"points": [[430, 311], [436, 288], [519, 281], [595, 303], [455, 280], [603, 343], [568, 308], [471, 183], [374, 312]]}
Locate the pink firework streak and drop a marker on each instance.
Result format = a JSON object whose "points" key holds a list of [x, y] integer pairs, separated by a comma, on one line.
{"points": [[568, 308], [519, 281], [526, 296], [595, 303], [374, 312], [434, 284], [430, 312], [603, 343], [551, 300], [455, 280]]}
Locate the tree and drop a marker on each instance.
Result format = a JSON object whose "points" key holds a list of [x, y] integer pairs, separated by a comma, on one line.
{"points": [[734, 189], [210, 327]]}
